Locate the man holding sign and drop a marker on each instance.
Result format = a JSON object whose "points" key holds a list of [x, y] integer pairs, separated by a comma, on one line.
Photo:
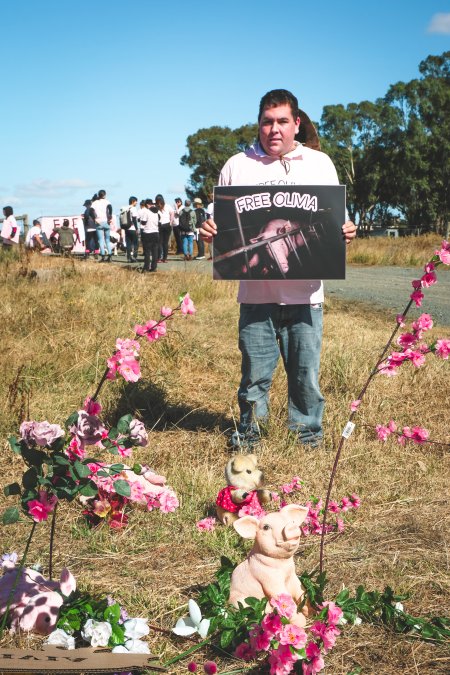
{"points": [[280, 315]]}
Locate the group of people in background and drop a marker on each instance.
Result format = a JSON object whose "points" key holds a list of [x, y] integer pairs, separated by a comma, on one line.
{"points": [[151, 223]]}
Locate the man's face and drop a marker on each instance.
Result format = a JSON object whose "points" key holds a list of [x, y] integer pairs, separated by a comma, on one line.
{"points": [[277, 130]]}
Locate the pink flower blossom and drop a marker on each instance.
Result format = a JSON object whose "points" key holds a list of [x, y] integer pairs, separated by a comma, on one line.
{"points": [[335, 613], [39, 509], [88, 429], [244, 652], [137, 493], [428, 279], [255, 510], [340, 525], [400, 320], [284, 604], [417, 296], [407, 339], [293, 635], [187, 306], [327, 634], [272, 624], [75, 450], [392, 426], [92, 407], [206, 525], [417, 358], [419, 434], [259, 639], [192, 667], [168, 501], [424, 322], [442, 349], [210, 667], [282, 660], [444, 253], [382, 432], [333, 507], [354, 405], [166, 311], [314, 656], [138, 433], [40, 433], [355, 501]]}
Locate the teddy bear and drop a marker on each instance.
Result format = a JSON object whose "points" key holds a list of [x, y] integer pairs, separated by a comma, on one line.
{"points": [[244, 493]]}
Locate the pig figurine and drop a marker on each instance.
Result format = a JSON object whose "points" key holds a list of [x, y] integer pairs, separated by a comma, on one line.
{"points": [[269, 568], [35, 603]]}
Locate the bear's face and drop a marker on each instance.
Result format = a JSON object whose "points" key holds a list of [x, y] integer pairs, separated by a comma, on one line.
{"points": [[242, 472]]}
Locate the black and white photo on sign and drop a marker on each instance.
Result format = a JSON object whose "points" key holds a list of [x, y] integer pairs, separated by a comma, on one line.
{"points": [[279, 232]]}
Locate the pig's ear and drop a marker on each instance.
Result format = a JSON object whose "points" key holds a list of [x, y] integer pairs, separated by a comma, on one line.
{"points": [[246, 526], [253, 458], [67, 583], [296, 512], [238, 463]]}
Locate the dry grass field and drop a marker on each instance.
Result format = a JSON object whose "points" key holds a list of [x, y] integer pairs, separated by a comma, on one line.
{"points": [[60, 325], [403, 251]]}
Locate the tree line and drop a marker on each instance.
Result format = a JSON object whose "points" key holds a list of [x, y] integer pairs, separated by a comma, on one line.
{"points": [[392, 154]]}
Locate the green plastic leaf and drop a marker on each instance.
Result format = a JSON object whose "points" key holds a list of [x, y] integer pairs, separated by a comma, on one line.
{"points": [[123, 426], [12, 489], [112, 613], [10, 516], [15, 445], [122, 488], [30, 478], [81, 469], [71, 420], [89, 490]]}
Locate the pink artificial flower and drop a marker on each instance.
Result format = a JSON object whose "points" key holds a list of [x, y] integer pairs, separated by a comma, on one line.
{"points": [[123, 452], [282, 660], [314, 656], [272, 624], [285, 605], [400, 320], [293, 635], [429, 267], [206, 525], [443, 348], [444, 253], [75, 450], [254, 509], [128, 346], [88, 429], [354, 405], [92, 407], [392, 426], [417, 358], [138, 433], [244, 652], [166, 311], [192, 667], [137, 493], [424, 322], [130, 370], [40, 433], [101, 507], [210, 667], [340, 525], [407, 433], [355, 501], [118, 520], [335, 613], [325, 633], [428, 279], [417, 296], [39, 509], [419, 434], [275, 496], [259, 639], [187, 306], [407, 339], [416, 284], [168, 501], [382, 432], [333, 507]]}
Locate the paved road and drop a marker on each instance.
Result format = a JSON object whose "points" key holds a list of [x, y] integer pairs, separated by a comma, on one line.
{"points": [[385, 287], [391, 287]]}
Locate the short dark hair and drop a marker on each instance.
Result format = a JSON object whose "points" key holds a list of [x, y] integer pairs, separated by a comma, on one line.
{"points": [[178, 199], [8, 211], [36, 222], [66, 222], [101, 194], [132, 199], [277, 97]]}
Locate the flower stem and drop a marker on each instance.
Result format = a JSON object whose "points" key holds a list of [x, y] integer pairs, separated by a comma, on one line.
{"points": [[16, 580], [182, 656], [52, 537]]}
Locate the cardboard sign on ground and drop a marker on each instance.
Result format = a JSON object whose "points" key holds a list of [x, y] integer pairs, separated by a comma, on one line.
{"points": [[62, 661]]}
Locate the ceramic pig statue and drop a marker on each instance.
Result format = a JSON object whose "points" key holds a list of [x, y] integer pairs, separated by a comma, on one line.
{"points": [[269, 568], [35, 603]]}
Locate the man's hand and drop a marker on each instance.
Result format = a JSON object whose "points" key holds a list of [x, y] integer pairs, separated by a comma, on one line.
{"points": [[208, 230], [349, 231]]}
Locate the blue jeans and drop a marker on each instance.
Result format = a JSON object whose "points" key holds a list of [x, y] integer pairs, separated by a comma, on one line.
{"points": [[188, 244], [295, 332], [103, 233]]}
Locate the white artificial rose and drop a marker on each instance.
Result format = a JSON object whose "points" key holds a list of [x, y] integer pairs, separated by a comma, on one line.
{"points": [[136, 628], [137, 647], [59, 638], [97, 632]]}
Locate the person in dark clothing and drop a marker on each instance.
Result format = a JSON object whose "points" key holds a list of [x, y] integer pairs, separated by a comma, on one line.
{"points": [[90, 228], [165, 214], [150, 236], [201, 216]]}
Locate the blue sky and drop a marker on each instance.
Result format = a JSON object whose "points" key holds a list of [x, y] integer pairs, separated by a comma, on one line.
{"points": [[103, 93]]}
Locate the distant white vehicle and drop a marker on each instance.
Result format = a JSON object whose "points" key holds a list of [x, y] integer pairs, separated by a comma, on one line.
{"points": [[49, 223]]}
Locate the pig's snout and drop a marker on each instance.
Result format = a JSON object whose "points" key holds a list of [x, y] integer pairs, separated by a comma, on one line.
{"points": [[291, 531]]}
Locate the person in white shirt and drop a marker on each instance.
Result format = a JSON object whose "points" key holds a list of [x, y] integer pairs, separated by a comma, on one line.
{"points": [[103, 212], [175, 225], [280, 316], [166, 214], [149, 236], [10, 230]]}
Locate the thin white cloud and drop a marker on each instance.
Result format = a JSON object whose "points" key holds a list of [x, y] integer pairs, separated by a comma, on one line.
{"points": [[43, 188], [440, 23]]}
